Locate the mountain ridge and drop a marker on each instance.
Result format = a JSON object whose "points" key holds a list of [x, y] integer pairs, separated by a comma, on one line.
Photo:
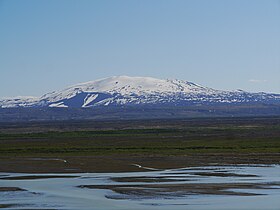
{"points": [[134, 91]]}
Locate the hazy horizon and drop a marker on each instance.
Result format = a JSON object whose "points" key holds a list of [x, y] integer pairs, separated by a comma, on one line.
{"points": [[225, 45]]}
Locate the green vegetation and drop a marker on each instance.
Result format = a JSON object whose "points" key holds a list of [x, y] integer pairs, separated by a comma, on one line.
{"points": [[230, 138]]}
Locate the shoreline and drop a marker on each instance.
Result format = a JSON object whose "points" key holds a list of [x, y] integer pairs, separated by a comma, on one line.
{"points": [[128, 163]]}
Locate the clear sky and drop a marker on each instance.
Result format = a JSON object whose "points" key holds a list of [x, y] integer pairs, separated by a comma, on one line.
{"points": [[47, 45]]}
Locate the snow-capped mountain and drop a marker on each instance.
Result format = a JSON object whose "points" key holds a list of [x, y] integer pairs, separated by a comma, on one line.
{"points": [[124, 90], [20, 101]]}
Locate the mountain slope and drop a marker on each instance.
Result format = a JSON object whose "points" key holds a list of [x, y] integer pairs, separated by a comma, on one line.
{"points": [[133, 91]]}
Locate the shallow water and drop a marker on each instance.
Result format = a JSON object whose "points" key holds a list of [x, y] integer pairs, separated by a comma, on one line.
{"points": [[197, 188]]}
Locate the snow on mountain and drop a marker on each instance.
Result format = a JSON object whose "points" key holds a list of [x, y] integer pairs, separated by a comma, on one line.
{"points": [[19, 101], [125, 85], [124, 90]]}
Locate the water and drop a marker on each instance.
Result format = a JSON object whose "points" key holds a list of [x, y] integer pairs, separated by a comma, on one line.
{"points": [[197, 188]]}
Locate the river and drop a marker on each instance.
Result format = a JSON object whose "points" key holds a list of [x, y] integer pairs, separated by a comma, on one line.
{"points": [[236, 187]]}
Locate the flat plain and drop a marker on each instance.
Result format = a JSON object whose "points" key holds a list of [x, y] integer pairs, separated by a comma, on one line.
{"points": [[127, 145]]}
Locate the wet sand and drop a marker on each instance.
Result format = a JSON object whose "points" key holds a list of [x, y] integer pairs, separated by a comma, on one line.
{"points": [[169, 191], [10, 189]]}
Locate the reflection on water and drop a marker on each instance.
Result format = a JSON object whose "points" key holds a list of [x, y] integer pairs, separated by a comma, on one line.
{"points": [[201, 188]]}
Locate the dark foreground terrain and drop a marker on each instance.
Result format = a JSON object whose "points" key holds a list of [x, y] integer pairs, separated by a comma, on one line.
{"points": [[139, 112], [131, 145]]}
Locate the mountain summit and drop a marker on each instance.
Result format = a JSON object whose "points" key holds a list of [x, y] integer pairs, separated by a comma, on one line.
{"points": [[124, 90]]}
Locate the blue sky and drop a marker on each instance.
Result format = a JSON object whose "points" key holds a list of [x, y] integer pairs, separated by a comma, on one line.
{"points": [[224, 44]]}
